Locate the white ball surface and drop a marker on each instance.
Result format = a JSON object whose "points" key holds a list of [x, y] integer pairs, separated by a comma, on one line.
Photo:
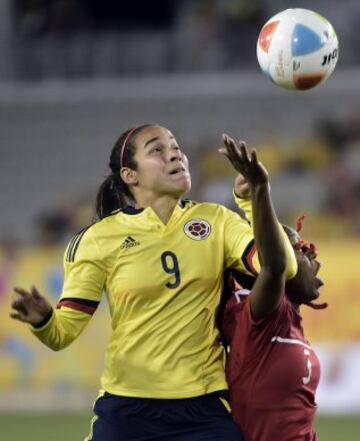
{"points": [[297, 49]]}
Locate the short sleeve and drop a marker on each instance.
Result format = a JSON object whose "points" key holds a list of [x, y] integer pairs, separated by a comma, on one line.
{"points": [[240, 248], [84, 269]]}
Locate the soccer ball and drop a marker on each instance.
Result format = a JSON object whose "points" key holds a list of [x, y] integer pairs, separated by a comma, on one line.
{"points": [[297, 49]]}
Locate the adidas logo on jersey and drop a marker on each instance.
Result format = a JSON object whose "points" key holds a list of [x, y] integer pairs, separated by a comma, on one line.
{"points": [[129, 242]]}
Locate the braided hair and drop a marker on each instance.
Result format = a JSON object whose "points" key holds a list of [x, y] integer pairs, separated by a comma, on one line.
{"points": [[114, 193]]}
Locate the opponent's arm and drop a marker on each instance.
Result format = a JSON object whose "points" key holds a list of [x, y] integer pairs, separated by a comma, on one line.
{"points": [[269, 285], [242, 196]]}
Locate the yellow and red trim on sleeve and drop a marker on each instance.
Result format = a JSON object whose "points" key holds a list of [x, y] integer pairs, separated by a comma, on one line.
{"points": [[247, 257]]}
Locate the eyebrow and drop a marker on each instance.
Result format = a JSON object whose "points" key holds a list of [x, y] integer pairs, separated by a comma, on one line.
{"points": [[155, 139]]}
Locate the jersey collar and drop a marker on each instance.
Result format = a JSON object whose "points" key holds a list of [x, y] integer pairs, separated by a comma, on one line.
{"points": [[132, 210]]}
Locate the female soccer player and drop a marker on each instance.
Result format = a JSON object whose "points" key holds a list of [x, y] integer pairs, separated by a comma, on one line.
{"points": [[160, 261], [272, 370]]}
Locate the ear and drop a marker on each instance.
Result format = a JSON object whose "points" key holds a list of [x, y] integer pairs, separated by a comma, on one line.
{"points": [[129, 176]]}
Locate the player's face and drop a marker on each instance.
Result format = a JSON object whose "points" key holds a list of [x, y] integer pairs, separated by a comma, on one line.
{"points": [[304, 287], [162, 167]]}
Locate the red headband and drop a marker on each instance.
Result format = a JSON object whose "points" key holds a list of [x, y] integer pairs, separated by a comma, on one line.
{"points": [[300, 223], [124, 144]]}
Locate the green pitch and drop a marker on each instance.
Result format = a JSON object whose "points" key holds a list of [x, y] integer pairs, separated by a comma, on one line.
{"points": [[74, 427], [44, 427]]}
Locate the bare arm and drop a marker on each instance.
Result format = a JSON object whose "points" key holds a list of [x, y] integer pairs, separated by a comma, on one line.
{"points": [[242, 194], [269, 286]]}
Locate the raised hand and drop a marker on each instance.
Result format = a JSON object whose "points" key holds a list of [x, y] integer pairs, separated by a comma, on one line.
{"points": [[252, 171], [30, 306], [241, 187]]}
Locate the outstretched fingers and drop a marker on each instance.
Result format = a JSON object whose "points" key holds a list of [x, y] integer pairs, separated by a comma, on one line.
{"points": [[35, 293], [230, 146], [254, 158], [18, 305], [236, 153], [29, 306], [245, 162], [22, 292], [21, 302], [18, 316], [244, 154]]}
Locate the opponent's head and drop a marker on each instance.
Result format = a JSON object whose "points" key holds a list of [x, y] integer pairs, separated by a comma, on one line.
{"points": [[304, 287], [145, 160]]}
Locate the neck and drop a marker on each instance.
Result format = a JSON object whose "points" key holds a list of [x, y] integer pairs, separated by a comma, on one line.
{"points": [[163, 206], [296, 306]]}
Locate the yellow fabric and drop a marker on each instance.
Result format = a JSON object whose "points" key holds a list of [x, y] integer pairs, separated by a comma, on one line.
{"points": [[164, 342], [245, 205], [62, 329], [291, 267], [225, 404]]}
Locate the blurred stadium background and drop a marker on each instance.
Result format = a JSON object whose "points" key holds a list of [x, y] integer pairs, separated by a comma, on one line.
{"points": [[73, 75]]}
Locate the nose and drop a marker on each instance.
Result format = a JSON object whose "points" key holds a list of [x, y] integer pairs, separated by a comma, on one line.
{"points": [[175, 154]]}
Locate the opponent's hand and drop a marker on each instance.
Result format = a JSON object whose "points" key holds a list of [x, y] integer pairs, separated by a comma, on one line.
{"points": [[30, 306], [249, 166]]}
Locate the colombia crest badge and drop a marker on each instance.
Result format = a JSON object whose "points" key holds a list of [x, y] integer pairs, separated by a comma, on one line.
{"points": [[197, 229]]}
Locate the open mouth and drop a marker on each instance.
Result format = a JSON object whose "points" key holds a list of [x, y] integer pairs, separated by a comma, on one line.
{"points": [[177, 170], [318, 283]]}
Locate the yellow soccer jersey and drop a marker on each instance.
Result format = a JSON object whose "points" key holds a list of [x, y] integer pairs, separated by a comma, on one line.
{"points": [[163, 285]]}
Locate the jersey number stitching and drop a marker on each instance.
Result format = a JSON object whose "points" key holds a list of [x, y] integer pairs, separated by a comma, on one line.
{"points": [[170, 265], [306, 380]]}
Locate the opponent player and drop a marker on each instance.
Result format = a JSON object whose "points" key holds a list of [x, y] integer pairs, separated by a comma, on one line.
{"points": [[160, 261], [272, 370]]}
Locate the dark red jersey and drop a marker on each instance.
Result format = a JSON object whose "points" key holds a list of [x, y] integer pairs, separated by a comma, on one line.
{"points": [[272, 373]]}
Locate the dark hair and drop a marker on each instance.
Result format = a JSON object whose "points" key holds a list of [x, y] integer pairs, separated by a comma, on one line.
{"points": [[113, 192], [291, 233]]}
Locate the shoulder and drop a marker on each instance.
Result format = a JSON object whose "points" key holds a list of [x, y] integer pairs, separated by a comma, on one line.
{"points": [[237, 323], [281, 315], [84, 243], [240, 304], [113, 219], [210, 208], [74, 243], [238, 301]]}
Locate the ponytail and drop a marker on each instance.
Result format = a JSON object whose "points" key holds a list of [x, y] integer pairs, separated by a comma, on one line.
{"points": [[113, 193]]}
